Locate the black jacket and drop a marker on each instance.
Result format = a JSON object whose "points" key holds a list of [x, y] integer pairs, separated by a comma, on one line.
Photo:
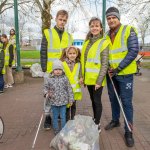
{"points": [[2, 56], [11, 55]]}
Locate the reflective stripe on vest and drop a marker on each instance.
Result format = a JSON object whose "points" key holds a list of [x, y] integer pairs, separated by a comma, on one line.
{"points": [[119, 51], [74, 79], [6, 51]]}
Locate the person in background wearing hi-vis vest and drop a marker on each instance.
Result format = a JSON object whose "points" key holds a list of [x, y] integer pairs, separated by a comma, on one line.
{"points": [[53, 41], [2, 67], [122, 66], [9, 57], [12, 40], [94, 62], [71, 62]]}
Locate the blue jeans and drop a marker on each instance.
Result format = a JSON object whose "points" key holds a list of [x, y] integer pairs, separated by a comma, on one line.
{"points": [[58, 111], [1, 82], [124, 87]]}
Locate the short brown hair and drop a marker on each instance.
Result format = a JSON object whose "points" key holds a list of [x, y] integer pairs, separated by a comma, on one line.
{"points": [[62, 12]]}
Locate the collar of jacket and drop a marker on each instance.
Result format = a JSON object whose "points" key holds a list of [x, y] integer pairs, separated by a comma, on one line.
{"points": [[95, 38], [114, 30], [58, 30]]}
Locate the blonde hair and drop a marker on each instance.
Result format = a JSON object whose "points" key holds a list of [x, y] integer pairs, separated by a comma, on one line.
{"points": [[66, 50]]}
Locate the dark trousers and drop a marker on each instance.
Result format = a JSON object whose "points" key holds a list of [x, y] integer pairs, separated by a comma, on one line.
{"points": [[71, 111], [95, 96], [124, 87], [1, 82]]}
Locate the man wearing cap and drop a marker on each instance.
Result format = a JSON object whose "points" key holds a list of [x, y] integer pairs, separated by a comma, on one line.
{"points": [[122, 66]]}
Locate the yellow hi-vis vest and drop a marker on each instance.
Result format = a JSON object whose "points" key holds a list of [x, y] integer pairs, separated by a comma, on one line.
{"points": [[6, 51], [118, 51], [3, 70], [91, 68], [55, 46], [74, 79]]}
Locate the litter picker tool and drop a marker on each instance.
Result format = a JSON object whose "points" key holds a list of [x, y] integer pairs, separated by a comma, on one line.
{"points": [[33, 145], [120, 104]]}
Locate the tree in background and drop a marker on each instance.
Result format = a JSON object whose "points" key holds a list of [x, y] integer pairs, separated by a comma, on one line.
{"points": [[138, 12]]}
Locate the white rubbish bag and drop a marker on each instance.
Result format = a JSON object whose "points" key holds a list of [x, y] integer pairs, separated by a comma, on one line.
{"points": [[78, 134], [36, 70]]}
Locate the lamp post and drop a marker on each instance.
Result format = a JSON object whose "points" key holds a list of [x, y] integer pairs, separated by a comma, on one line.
{"points": [[19, 74], [19, 68], [103, 15]]}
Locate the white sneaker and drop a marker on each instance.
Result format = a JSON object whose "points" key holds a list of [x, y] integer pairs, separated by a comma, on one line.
{"points": [[6, 86], [10, 85]]}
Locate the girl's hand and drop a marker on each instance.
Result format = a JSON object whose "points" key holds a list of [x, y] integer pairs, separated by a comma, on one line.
{"points": [[81, 81], [97, 87], [70, 104]]}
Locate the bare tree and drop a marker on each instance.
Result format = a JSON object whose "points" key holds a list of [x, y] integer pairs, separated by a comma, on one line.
{"points": [[7, 4], [137, 11]]}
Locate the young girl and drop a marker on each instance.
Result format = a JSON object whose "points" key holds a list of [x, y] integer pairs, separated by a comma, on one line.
{"points": [[71, 63], [94, 60], [58, 89]]}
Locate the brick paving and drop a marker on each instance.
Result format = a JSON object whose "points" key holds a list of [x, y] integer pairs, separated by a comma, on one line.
{"points": [[21, 109]]}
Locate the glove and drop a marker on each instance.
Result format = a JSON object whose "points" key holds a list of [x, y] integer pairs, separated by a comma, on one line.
{"points": [[114, 72]]}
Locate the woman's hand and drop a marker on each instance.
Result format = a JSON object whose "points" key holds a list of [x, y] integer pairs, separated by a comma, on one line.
{"points": [[97, 87]]}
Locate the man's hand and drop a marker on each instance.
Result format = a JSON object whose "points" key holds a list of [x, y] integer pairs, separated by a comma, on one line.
{"points": [[113, 72]]}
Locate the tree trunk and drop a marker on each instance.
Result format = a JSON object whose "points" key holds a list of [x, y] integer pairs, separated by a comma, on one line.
{"points": [[46, 16]]}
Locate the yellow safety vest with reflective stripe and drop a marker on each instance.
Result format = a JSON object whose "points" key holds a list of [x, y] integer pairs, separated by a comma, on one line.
{"points": [[1, 45], [55, 46], [3, 70], [6, 51], [74, 79], [118, 50], [91, 68]]}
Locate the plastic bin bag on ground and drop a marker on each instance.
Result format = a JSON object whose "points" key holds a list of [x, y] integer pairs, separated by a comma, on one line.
{"points": [[36, 70], [78, 134]]}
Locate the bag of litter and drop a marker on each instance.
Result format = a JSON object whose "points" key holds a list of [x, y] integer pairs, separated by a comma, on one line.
{"points": [[78, 134], [36, 70]]}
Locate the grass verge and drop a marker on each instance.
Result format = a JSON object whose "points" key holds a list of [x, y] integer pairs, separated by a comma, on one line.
{"points": [[30, 54]]}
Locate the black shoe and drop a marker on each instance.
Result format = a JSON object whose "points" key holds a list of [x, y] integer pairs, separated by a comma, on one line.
{"points": [[112, 124], [47, 123], [129, 139]]}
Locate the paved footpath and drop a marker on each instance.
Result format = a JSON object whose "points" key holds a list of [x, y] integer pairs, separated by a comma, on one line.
{"points": [[21, 109]]}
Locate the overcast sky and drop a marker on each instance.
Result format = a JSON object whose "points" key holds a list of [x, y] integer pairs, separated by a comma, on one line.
{"points": [[77, 23]]}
